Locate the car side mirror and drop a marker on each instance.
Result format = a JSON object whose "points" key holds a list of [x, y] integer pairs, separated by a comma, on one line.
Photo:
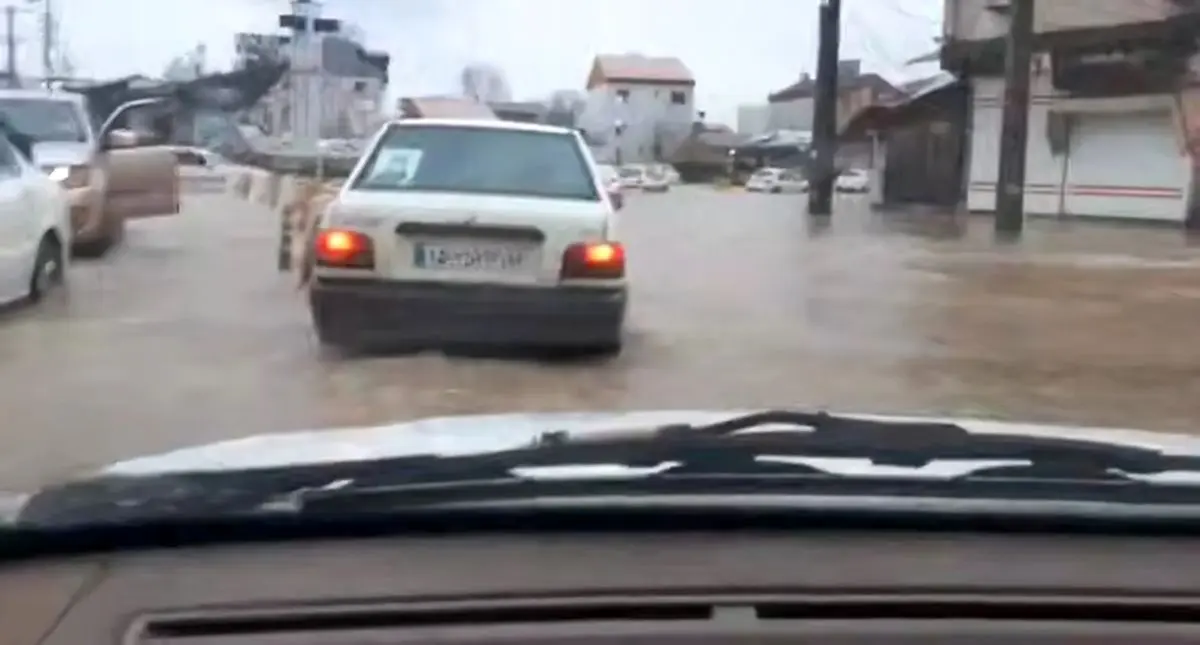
{"points": [[121, 139], [23, 143], [617, 199]]}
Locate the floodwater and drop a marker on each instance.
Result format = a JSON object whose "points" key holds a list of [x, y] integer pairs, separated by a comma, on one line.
{"points": [[188, 334]]}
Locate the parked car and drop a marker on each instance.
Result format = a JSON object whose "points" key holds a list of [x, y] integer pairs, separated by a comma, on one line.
{"points": [[854, 180], [776, 180], [473, 246], [631, 175], [35, 223], [668, 171], [111, 174], [655, 180]]}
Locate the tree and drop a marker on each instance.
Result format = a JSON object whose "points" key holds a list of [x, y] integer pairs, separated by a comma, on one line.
{"points": [[564, 107], [484, 83]]}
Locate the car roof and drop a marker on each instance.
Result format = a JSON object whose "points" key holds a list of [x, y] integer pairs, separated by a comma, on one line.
{"points": [[481, 124]]}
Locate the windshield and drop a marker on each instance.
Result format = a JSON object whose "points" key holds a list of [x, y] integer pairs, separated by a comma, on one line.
{"points": [[556, 215], [45, 119], [481, 160]]}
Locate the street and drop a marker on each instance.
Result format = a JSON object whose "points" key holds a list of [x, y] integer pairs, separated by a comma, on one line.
{"points": [[188, 334]]}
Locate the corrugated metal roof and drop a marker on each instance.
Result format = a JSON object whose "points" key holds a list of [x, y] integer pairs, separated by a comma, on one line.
{"points": [[637, 67]]}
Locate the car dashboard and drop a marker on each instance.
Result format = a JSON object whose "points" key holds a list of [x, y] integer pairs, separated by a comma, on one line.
{"points": [[581, 588]]}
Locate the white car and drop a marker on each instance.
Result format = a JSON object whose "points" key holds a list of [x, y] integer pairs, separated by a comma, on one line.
{"points": [[655, 180], [631, 176], [35, 225], [852, 181], [470, 231], [112, 174], [776, 180]]}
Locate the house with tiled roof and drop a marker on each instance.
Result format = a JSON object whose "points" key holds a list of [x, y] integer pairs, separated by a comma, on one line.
{"points": [[639, 108], [791, 108]]}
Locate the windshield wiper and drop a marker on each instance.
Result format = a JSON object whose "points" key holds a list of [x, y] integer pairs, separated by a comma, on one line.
{"points": [[765, 452]]}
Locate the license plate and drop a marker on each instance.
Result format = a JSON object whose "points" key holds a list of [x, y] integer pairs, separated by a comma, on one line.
{"points": [[469, 257]]}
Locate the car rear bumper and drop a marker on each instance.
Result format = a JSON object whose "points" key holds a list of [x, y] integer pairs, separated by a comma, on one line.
{"points": [[352, 312]]}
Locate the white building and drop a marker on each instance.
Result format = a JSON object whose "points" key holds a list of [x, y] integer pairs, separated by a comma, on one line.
{"points": [[349, 85], [1107, 126], [638, 108]]}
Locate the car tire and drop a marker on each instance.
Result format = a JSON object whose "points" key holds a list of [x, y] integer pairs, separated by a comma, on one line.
{"points": [[776, 190], [49, 271]]}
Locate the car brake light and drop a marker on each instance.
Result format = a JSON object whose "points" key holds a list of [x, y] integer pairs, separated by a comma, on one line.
{"points": [[344, 249], [594, 260]]}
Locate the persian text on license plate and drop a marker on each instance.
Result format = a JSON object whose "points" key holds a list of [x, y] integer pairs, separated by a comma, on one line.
{"points": [[468, 257]]}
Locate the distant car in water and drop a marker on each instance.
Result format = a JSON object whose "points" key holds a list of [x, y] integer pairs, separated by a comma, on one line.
{"points": [[776, 180], [655, 180], [854, 180], [632, 175]]}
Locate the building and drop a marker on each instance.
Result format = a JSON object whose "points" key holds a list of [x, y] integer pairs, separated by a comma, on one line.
{"points": [[520, 111], [791, 108], [917, 155], [350, 84], [754, 119], [443, 107], [638, 108], [1108, 125]]}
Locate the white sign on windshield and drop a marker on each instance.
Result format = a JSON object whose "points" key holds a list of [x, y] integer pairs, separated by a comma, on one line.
{"points": [[396, 166]]}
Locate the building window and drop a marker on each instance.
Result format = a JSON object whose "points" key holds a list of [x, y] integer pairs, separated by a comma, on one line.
{"points": [[678, 98], [623, 95], [360, 87]]}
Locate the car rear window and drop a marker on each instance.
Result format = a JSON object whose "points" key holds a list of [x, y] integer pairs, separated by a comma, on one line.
{"points": [[464, 159], [764, 173]]}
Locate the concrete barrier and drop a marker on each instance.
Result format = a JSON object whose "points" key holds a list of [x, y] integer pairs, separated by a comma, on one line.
{"points": [[296, 200]]}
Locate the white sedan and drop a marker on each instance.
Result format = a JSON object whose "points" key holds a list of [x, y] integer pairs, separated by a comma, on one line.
{"points": [[35, 225], [776, 180], [470, 231], [852, 181]]}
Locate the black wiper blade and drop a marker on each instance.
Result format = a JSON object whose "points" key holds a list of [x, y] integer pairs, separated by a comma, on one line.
{"points": [[884, 442], [730, 452]]}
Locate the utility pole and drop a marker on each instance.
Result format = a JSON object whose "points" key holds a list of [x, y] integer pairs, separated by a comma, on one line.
{"points": [[307, 73], [47, 41], [825, 117], [10, 35], [1014, 131]]}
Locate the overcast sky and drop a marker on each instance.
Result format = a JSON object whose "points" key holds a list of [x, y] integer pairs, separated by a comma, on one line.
{"points": [[738, 51]]}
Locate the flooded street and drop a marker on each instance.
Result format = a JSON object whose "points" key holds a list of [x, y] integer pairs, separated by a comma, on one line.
{"points": [[188, 334]]}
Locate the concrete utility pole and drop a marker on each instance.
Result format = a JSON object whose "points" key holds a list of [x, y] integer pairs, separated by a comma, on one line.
{"points": [[1014, 132], [825, 117], [307, 73], [47, 41], [10, 35]]}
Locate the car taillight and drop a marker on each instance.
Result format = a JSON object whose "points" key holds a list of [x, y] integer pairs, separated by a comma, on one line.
{"points": [[344, 249], [595, 260]]}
